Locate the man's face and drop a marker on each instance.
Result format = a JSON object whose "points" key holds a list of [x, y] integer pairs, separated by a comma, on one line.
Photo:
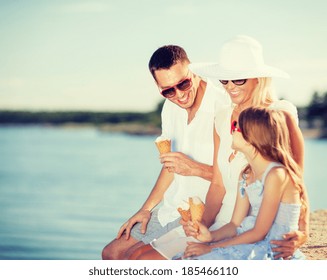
{"points": [[167, 78]]}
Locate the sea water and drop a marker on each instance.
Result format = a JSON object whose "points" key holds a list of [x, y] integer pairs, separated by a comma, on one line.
{"points": [[64, 193]]}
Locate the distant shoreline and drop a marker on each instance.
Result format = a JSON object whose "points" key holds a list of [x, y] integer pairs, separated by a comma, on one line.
{"points": [[134, 123], [125, 128], [141, 129], [311, 133]]}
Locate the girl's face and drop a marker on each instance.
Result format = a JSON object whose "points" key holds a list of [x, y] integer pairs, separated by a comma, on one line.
{"points": [[243, 94], [238, 142]]}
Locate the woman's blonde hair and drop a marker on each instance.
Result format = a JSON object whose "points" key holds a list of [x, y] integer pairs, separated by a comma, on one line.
{"points": [[263, 94], [266, 130]]}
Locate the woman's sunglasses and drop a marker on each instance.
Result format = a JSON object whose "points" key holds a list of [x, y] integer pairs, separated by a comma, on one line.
{"points": [[234, 127], [235, 82], [184, 85]]}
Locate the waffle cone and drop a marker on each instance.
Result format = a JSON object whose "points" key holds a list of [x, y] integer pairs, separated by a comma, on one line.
{"points": [[197, 210], [186, 214], [164, 146]]}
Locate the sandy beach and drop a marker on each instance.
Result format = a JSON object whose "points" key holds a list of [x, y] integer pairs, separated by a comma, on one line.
{"points": [[316, 247]]}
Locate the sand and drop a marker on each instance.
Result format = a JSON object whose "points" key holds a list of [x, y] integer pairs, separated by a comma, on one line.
{"points": [[316, 246]]}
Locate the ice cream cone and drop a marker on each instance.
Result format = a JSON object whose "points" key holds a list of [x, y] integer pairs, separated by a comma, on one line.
{"points": [[196, 209], [186, 214], [163, 145], [194, 212]]}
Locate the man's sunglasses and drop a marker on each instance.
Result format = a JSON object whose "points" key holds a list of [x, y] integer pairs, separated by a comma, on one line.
{"points": [[184, 85], [235, 82], [234, 127]]}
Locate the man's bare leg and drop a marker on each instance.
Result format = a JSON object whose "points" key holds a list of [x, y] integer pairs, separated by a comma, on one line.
{"points": [[138, 252], [145, 252], [151, 254], [134, 249], [117, 249]]}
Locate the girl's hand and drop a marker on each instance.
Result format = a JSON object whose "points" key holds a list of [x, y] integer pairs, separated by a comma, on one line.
{"points": [[196, 249], [198, 231], [189, 228], [203, 233]]}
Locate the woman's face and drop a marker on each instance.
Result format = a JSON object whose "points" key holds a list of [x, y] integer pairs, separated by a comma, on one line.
{"points": [[243, 94]]}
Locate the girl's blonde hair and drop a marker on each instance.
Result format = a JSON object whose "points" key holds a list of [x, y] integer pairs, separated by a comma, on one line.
{"points": [[266, 130]]}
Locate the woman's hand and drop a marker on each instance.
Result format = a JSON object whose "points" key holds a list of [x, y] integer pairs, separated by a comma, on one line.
{"points": [[291, 242]]}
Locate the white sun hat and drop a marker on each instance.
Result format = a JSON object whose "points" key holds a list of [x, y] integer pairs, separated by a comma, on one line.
{"points": [[239, 58]]}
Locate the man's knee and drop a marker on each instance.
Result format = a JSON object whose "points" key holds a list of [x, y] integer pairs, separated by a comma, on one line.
{"points": [[116, 249], [131, 250], [134, 253], [113, 251], [109, 253]]}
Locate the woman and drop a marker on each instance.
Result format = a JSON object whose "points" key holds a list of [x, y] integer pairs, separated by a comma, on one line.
{"points": [[248, 81]]}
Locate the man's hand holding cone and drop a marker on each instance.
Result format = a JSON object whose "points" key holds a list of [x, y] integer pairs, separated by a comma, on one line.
{"points": [[163, 145]]}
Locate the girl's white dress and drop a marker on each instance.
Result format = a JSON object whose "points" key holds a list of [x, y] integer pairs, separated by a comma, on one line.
{"points": [[286, 220]]}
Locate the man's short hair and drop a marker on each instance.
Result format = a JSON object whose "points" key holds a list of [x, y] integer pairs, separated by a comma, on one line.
{"points": [[165, 57]]}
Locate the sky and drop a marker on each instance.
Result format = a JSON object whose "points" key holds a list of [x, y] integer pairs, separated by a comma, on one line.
{"points": [[93, 55]]}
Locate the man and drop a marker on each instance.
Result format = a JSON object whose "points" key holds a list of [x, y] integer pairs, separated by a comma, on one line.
{"points": [[188, 120]]}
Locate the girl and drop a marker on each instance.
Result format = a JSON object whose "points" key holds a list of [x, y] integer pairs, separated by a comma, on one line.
{"points": [[270, 190]]}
